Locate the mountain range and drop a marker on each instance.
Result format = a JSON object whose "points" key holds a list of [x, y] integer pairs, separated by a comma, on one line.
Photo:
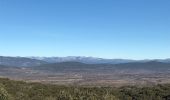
{"points": [[85, 70], [20, 61], [36, 61], [94, 60]]}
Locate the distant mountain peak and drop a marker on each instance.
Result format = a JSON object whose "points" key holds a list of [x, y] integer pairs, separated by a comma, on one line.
{"points": [[36, 61]]}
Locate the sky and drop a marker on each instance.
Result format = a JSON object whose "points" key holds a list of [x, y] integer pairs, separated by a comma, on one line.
{"points": [[128, 29]]}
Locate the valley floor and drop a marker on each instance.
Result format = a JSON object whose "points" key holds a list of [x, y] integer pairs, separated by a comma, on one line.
{"points": [[115, 79]]}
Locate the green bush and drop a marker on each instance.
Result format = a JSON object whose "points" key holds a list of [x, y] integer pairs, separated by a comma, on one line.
{"points": [[3, 93]]}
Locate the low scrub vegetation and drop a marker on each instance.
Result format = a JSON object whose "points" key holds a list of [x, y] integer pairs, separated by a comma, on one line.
{"points": [[18, 90]]}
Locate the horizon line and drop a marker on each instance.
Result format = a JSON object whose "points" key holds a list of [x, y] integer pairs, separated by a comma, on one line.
{"points": [[86, 57]]}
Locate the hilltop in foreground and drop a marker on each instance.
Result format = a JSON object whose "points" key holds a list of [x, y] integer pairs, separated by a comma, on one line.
{"points": [[18, 90]]}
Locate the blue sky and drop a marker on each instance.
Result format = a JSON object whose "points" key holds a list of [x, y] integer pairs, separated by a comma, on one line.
{"points": [[130, 29]]}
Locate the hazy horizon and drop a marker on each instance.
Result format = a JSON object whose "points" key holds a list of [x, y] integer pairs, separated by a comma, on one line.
{"points": [[85, 57]]}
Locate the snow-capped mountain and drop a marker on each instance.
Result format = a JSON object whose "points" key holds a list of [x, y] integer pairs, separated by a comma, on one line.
{"points": [[20, 61], [36, 61], [87, 60]]}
